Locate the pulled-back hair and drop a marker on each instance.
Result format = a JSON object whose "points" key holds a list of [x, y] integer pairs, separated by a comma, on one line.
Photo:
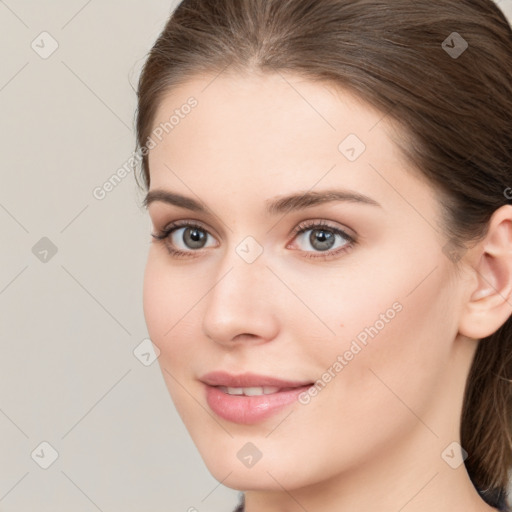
{"points": [[404, 58]]}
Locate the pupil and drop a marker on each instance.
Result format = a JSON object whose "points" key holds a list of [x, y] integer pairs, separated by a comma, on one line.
{"points": [[321, 240], [194, 238]]}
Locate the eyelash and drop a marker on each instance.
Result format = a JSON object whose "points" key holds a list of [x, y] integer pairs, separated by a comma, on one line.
{"points": [[164, 234]]}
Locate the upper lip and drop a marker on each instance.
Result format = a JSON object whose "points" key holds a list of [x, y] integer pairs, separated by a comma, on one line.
{"points": [[248, 380]]}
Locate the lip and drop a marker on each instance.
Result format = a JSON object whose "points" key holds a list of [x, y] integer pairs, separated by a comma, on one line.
{"points": [[247, 380], [248, 410]]}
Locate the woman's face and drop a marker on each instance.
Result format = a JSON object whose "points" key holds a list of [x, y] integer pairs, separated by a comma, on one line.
{"points": [[314, 256]]}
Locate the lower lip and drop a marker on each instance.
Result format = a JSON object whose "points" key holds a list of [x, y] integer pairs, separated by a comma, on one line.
{"points": [[250, 409]]}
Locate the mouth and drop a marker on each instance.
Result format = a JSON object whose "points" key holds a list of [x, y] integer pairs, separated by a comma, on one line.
{"points": [[250, 398], [253, 391], [249, 380]]}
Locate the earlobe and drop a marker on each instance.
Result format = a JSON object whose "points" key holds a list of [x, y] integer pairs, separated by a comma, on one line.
{"points": [[490, 300]]}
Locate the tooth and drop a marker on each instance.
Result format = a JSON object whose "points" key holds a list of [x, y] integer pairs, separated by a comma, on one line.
{"points": [[250, 391], [235, 391], [253, 391]]}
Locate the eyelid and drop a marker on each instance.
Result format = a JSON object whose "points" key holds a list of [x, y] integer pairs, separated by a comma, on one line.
{"points": [[321, 223], [304, 226], [188, 223], [163, 235], [332, 253]]}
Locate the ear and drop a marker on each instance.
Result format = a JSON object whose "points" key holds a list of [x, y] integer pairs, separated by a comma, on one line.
{"points": [[490, 299]]}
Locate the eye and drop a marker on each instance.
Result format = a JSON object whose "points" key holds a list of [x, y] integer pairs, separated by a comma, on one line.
{"points": [[183, 239], [190, 238], [320, 237], [317, 239]]}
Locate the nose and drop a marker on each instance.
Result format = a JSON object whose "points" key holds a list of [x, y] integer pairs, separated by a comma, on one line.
{"points": [[241, 305]]}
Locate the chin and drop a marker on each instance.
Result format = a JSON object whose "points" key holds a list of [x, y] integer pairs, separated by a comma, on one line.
{"points": [[263, 475], [249, 480]]}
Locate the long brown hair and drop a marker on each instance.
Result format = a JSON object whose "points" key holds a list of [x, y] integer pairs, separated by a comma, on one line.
{"points": [[440, 69]]}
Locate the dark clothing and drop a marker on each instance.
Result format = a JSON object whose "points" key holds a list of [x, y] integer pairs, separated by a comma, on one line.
{"points": [[241, 505], [496, 498]]}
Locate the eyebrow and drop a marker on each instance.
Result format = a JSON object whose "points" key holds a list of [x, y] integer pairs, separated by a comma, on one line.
{"points": [[294, 202]]}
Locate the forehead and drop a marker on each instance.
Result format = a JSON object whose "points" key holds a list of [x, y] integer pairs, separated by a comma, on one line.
{"points": [[266, 118], [259, 136], [266, 103]]}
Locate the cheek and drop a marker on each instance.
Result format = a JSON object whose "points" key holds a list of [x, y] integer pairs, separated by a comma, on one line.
{"points": [[366, 402], [168, 294], [394, 331], [395, 347], [166, 302], [171, 297], [155, 300]]}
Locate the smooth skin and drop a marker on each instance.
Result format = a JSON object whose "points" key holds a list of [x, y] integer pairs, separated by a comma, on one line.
{"points": [[377, 434]]}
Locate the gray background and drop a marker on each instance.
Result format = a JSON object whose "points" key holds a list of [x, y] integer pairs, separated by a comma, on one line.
{"points": [[71, 320]]}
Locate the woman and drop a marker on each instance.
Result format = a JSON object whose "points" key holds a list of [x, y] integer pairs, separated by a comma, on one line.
{"points": [[331, 275]]}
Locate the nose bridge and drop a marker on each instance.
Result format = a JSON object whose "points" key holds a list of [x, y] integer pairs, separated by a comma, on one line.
{"points": [[239, 301], [241, 271]]}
